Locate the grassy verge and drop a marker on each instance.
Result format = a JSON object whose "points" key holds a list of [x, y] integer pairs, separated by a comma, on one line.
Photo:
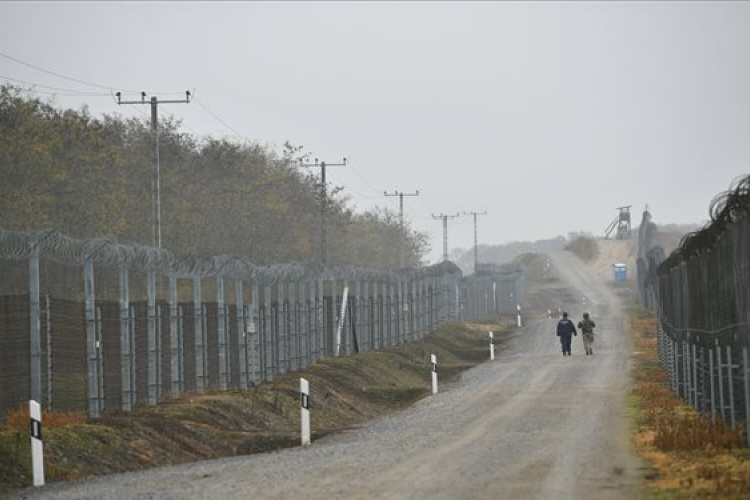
{"points": [[345, 392], [690, 456]]}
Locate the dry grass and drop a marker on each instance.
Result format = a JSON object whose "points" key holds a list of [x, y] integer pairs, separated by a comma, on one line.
{"points": [[693, 457], [18, 420]]}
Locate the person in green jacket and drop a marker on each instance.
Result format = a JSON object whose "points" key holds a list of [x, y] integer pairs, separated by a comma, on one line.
{"points": [[586, 325]]}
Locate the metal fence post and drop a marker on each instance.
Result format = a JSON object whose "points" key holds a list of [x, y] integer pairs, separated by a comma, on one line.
{"points": [[686, 368], [282, 343], [696, 385], [35, 366], [331, 333], [305, 325], [100, 359], [721, 381], [49, 352], [358, 316], [239, 302], [269, 329], [730, 383], [127, 363], [92, 353], [293, 327], [200, 355], [175, 340], [711, 383], [221, 319], [154, 359], [254, 329], [319, 320], [745, 370]]}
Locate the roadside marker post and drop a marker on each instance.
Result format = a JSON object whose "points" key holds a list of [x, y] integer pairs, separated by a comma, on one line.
{"points": [[37, 447], [304, 393], [433, 360], [492, 347], [518, 309], [342, 320]]}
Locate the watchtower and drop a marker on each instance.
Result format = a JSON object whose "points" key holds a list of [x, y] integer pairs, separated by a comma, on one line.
{"points": [[622, 223]]}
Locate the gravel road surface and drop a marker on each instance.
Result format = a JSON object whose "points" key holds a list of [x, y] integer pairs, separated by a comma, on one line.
{"points": [[533, 424]]}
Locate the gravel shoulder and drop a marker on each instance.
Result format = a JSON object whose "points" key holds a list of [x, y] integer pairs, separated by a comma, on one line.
{"points": [[530, 425]]}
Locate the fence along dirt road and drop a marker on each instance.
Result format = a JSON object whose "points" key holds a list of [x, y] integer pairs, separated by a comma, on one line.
{"points": [[531, 425]]}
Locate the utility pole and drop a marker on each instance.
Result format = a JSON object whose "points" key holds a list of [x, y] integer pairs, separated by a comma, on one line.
{"points": [[476, 244], [402, 253], [323, 202], [445, 231], [155, 177]]}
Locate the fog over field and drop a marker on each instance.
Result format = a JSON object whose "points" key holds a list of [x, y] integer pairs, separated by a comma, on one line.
{"points": [[547, 116]]}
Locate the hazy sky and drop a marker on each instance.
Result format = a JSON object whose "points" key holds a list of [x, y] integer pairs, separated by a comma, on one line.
{"points": [[546, 115]]}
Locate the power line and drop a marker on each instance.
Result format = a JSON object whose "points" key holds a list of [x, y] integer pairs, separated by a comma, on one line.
{"points": [[351, 190], [59, 75], [71, 92], [218, 119], [362, 178]]}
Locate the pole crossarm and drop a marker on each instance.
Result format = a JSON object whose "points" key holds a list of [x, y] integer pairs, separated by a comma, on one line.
{"points": [[143, 100], [323, 202]]}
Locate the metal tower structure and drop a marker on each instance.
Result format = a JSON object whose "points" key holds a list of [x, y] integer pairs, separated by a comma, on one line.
{"points": [[622, 224]]}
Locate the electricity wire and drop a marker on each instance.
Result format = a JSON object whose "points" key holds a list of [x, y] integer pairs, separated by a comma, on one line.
{"points": [[70, 92], [218, 119], [54, 73]]}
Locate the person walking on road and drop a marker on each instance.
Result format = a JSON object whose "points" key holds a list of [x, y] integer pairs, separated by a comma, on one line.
{"points": [[565, 330], [586, 326]]}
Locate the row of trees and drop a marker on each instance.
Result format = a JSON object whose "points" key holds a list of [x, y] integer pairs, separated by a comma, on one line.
{"points": [[87, 176]]}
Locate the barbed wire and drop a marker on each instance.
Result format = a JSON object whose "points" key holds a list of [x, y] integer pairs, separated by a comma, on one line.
{"points": [[108, 252]]}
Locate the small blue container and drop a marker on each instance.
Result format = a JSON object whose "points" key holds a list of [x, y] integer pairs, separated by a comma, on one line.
{"points": [[621, 273]]}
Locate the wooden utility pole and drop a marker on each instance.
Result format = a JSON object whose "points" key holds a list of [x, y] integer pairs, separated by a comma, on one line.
{"points": [[476, 242], [445, 231], [155, 177], [323, 203], [402, 253]]}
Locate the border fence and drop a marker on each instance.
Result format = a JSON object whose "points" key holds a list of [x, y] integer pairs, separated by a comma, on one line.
{"points": [[701, 296], [95, 325]]}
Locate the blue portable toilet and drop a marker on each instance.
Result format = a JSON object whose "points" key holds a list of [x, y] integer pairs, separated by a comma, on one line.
{"points": [[621, 273]]}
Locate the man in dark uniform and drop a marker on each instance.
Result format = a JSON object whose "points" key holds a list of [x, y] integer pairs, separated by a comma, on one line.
{"points": [[565, 330]]}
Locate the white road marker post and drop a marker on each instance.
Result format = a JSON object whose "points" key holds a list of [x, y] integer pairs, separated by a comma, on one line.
{"points": [[549, 313], [433, 360], [37, 447], [304, 396], [492, 346], [518, 309], [342, 320]]}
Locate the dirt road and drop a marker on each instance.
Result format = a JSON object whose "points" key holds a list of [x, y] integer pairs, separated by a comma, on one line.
{"points": [[530, 425]]}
